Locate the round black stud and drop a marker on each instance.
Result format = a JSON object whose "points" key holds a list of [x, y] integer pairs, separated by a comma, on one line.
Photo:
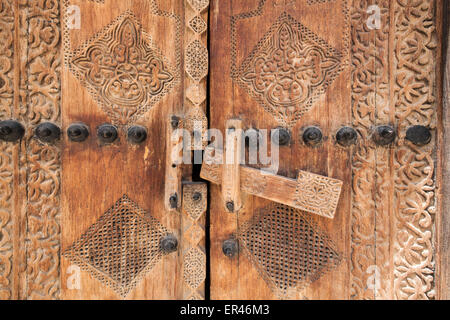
{"points": [[169, 244], [230, 206], [137, 134], [346, 136], [281, 136], [175, 122], [107, 133], [384, 135], [47, 132], [11, 131], [78, 132], [173, 201], [312, 136], [197, 196], [419, 135], [230, 247]]}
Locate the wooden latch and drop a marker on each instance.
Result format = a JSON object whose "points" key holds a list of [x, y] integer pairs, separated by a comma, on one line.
{"points": [[311, 192]]}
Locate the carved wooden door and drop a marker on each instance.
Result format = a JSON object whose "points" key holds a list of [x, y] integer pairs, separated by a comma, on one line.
{"points": [[91, 202], [351, 90], [323, 157]]}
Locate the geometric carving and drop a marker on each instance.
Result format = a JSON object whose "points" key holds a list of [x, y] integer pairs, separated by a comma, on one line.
{"points": [[193, 226], [123, 69], [194, 271], [121, 247], [198, 25], [289, 70], [196, 60], [194, 207], [196, 122], [196, 94], [287, 248], [194, 234], [318, 194], [199, 5]]}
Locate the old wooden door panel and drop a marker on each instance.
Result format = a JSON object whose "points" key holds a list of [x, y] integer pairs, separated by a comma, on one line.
{"points": [[331, 64], [107, 65], [86, 220]]}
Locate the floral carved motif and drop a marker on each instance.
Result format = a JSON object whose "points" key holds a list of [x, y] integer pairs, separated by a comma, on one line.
{"points": [[123, 69], [289, 70], [317, 194]]}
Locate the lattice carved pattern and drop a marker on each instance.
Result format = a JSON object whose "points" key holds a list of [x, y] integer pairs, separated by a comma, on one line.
{"points": [[193, 224], [121, 248], [287, 248]]}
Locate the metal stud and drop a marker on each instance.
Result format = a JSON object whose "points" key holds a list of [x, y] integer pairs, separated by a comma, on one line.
{"points": [[197, 196], [230, 247], [107, 133], [419, 135], [173, 200], [11, 131], [346, 136], [78, 132], [169, 244], [47, 132], [384, 135], [175, 122], [137, 134], [230, 206], [281, 136], [312, 136]]}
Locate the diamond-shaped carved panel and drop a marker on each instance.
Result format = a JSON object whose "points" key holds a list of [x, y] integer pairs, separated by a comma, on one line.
{"points": [[287, 248], [289, 70], [121, 247], [199, 5], [198, 25], [123, 69], [196, 60]]}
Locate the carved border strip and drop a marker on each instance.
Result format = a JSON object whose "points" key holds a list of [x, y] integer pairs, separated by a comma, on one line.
{"points": [[394, 202], [30, 170], [370, 277], [415, 99], [193, 244], [42, 102], [196, 69], [7, 93]]}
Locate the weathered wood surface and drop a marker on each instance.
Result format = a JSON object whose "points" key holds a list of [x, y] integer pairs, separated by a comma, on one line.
{"points": [[378, 66], [84, 220], [445, 222], [300, 193]]}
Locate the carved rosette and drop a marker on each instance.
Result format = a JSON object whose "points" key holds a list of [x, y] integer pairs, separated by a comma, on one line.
{"points": [[196, 67]]}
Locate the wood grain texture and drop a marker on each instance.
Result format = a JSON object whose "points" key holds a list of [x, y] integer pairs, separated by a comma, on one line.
{"points": [[309, 192], [444, 244], [387, 222], [243, 26], [139, 81]]}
